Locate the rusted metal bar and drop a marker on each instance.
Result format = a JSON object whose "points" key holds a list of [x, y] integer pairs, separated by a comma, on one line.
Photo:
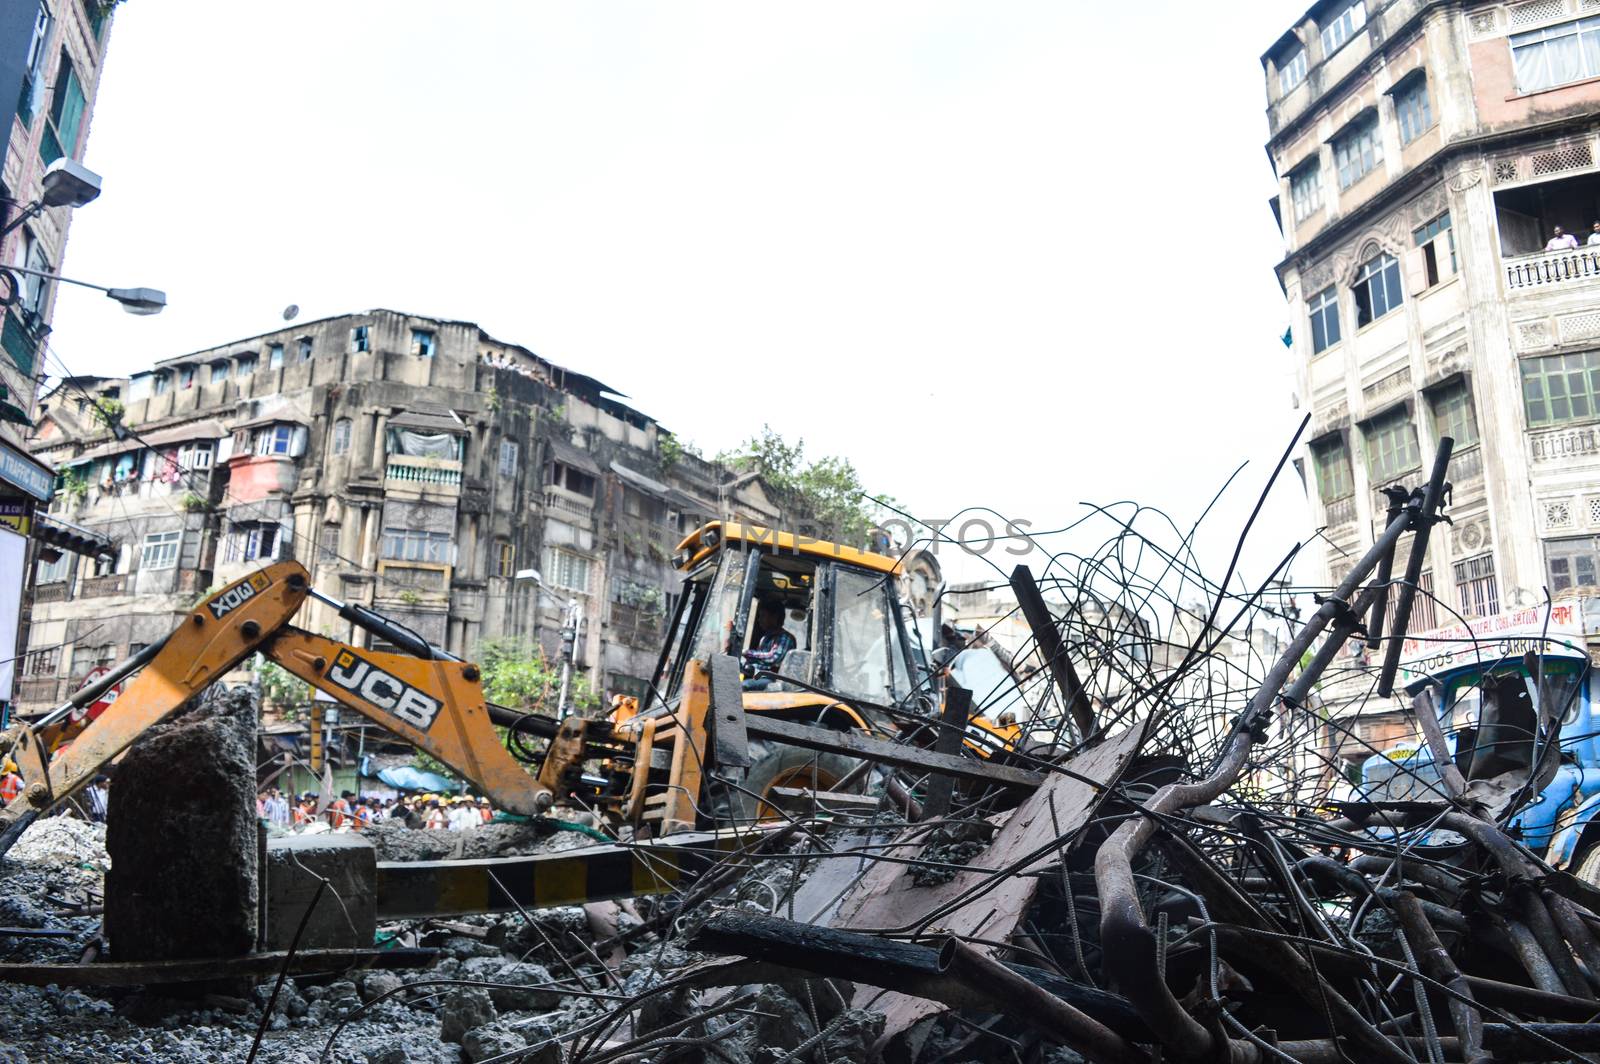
{"points": [[1053, 651], [1436, 961], [1037, 1007], [251, 965], [1505, 1041], [1574, 930], [1533, 959], [1227, 903], [1537, 917], [893, 964], [854, 744], [902, 798], [1419, 553], [1130, 948], [953, 719]]}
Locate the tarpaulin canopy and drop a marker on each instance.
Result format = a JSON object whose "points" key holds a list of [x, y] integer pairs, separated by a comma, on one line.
{"points": [[410, 778]]}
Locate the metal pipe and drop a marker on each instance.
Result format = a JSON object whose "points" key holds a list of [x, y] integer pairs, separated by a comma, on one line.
{"points": [[1575, 931], [1533, 959], [1043, 1009], [1537, 917], [1129, 947], [1397, 499], [1414, 563], [1436, 961], [1507, 1042]]}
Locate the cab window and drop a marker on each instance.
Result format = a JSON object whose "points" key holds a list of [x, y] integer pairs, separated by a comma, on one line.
{"points": [[868, 652]]}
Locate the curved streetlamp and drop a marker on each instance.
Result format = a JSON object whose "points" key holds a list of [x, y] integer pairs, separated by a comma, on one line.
{"points": [[134, 300]]}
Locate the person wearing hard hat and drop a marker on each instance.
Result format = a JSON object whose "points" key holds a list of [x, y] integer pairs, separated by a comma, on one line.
{"points": [[10, 783]]}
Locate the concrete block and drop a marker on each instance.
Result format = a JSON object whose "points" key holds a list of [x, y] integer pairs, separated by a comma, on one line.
{"points": [[182, 837], [349, 863]]}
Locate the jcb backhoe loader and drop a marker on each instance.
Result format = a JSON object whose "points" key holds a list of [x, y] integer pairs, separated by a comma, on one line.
{"points": [[852, 671]]}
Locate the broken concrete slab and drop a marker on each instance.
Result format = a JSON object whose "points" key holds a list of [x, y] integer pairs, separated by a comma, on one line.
{"points": [[181, 835], [975, 902], [345, 917]]}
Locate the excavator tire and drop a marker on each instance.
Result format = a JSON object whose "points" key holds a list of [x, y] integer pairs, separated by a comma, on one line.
{"points": [[778, 765]]}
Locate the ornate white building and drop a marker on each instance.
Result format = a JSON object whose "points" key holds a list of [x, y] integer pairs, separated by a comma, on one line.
{"points": [[1426, 153]]}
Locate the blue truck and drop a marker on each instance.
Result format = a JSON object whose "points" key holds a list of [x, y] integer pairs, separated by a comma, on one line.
{"points": [[1485, 697]]}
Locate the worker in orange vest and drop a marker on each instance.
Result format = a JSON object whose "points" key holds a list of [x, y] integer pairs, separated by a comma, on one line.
{"points": [[10, 783]]}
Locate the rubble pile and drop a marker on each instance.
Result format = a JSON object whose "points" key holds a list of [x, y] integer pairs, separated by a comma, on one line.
{"points": [[61, 840], [1156, 870]]}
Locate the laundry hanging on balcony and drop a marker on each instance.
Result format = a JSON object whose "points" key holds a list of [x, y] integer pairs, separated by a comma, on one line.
{"points": [[425, 445]]}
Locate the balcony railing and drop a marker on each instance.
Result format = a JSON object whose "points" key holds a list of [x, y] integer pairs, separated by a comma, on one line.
{"points": [[1466, 465], [554, 500], [426, 472], [56, 592], [101, 586], [1341, 511], [1549, 269]]}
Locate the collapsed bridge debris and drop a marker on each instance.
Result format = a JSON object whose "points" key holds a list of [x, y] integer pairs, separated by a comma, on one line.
{"points": [[1150, 865]]}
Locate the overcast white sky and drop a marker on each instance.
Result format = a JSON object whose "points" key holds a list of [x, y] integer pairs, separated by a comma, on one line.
{"points": [[996, 253]]}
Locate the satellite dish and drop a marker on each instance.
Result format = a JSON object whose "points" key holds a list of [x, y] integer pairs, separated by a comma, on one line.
{"points": [[291, 312]]}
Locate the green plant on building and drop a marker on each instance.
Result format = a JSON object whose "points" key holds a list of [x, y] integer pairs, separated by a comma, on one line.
{"points": [[280, 688], [194, 503], [74, 484], [108, 412], [670, 450], [518, 676]]}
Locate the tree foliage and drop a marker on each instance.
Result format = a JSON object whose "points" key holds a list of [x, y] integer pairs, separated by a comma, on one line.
{"points": [[827, 494], [281, 688], [521, 677]]}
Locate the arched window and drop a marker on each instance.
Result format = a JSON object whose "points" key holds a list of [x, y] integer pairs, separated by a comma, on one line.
{"points": [[1377, 288], [341, 436]]}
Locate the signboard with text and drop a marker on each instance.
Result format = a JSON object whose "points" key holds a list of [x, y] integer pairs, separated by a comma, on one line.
{"points": [[18, 469], [1499, 639]]}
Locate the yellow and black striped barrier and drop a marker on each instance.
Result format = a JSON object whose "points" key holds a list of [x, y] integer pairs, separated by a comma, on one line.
{"points": [[414, 889]]}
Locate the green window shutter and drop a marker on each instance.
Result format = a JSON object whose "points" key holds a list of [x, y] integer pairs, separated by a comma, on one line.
{"points": [[49, 146], [18, 344], [71, 120], [66, 115]]}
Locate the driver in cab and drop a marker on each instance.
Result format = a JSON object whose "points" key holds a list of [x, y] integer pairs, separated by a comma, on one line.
{"points": [[770, 645]]}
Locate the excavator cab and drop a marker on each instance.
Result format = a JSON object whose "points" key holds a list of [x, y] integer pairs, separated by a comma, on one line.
{"points": [[839, 606], [852, 666]]}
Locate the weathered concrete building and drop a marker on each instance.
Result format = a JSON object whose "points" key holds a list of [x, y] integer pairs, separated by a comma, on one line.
{"points": [[65, 43], [418, 466], [1426, 152]]}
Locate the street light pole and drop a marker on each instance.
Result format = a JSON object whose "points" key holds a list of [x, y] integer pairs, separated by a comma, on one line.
{"points": [[569, 651], [571, 623], [133, 300]]}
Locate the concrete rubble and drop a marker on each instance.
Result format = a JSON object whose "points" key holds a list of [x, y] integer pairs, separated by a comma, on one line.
{"points": [[1164, 887]]}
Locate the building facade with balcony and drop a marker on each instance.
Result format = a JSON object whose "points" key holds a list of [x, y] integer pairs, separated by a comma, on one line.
{"points": [[60, 50], [413, 465], [1427, 152]]}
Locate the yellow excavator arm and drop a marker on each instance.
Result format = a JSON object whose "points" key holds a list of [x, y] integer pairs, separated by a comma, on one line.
{"points": [[431, 700]]}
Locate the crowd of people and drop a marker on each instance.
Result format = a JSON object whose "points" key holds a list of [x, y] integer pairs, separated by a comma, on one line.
{"points": [[351, 812]]}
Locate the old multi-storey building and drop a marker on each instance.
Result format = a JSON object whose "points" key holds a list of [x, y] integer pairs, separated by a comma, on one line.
{"points": [[418, 466], [1432, 159], [65, 43]]}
